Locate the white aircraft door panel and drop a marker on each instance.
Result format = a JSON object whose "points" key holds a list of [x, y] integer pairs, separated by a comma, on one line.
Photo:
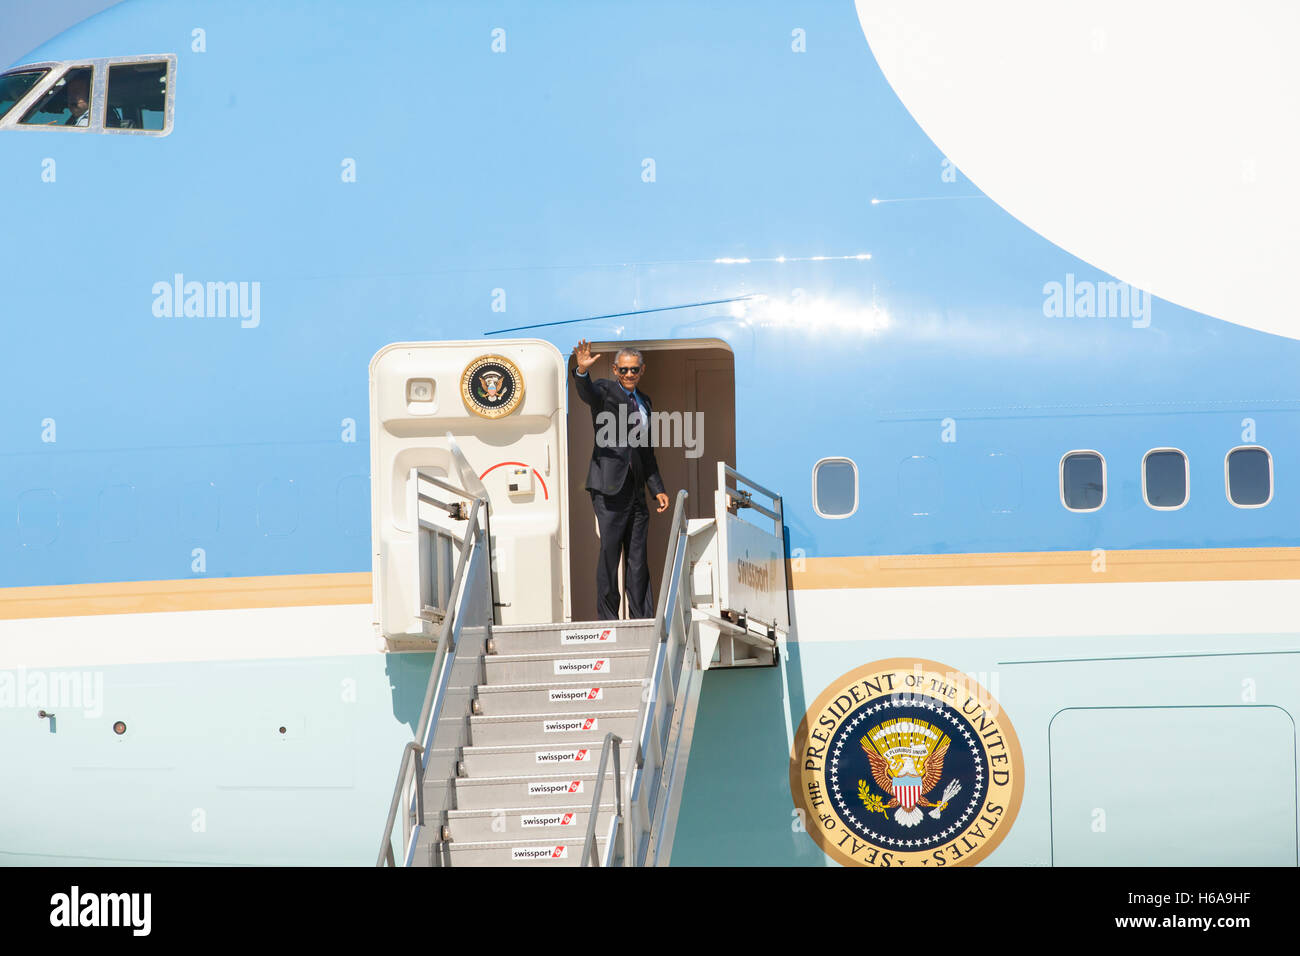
{"points": [[485, 414]]}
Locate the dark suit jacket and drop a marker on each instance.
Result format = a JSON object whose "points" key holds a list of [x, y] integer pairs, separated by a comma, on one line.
{"points": [[609, 466]]}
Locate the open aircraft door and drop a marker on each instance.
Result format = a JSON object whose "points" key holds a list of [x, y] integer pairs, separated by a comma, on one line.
{"points": [[484, 417]]}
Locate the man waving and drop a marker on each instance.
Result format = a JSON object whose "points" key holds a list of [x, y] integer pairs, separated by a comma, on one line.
{"points": [[621, 468]]}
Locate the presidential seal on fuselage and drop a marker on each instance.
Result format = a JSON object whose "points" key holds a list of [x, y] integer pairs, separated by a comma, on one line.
{"points": [[906, 762]]}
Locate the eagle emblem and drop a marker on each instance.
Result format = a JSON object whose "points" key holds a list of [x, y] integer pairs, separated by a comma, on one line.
{"points": [[906, 757], [492, 382]]}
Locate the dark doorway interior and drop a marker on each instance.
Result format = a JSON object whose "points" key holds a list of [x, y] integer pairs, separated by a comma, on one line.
{"points": [[680, 377]]}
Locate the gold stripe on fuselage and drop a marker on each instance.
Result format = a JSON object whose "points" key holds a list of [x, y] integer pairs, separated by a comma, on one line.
{"points": [[202, 594], [1047, 567], [862, 571]]}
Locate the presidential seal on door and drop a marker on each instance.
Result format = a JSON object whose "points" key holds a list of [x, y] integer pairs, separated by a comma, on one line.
{"points": [[492, 386]]}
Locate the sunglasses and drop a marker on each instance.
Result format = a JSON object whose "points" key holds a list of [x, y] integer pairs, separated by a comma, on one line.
{"points": [[628, 370]]}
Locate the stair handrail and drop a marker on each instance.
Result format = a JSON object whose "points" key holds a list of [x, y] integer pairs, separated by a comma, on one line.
{"points": [[615, 743], [412, 747], [438, 676], [663, 728], [671, 626], [669, 597]]}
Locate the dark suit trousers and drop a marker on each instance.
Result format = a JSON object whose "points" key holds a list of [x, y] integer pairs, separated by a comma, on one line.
{"points": [[624, 521]]}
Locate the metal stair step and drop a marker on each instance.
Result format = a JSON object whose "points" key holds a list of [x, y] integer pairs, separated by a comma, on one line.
{"points": [[522, 852], [567, 666], [546, 627], [530, 790], [550, 728], [566, 823], [501, 699], [550, 759], [596, 636]]}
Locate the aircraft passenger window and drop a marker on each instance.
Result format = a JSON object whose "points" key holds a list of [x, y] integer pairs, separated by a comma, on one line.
{"points": [[14, 86], [137, 96], [67, 103], [1083, 481], [1249, 474], [835, 487], [1164, 478]]}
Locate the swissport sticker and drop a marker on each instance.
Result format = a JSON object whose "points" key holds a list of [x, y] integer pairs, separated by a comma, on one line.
{"points": [[571, 755], [551, 788], [563, 725], [539, 853], [565, 818], [589, 635], [566, 695], [590, 665]]}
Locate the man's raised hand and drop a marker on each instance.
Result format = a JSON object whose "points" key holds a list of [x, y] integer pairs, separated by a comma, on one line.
{"points": [[582, 353]]}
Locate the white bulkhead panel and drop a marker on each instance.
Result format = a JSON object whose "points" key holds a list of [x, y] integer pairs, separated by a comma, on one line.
{"points": [[503, 402]]}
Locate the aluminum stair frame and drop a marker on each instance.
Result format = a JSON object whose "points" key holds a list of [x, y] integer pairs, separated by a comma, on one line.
{"points": [[413, 768]]}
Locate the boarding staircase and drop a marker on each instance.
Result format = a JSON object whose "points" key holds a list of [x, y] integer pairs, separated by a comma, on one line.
{"points": [[567, 743], [528, 786]]}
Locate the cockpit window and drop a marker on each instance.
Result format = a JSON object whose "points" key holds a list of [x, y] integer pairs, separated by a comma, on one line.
{"points": [[67, 103], [14, 86], [137, 96]]}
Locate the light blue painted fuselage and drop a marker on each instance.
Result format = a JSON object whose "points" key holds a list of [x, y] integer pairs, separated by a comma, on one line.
{"points": [[525, 170]]}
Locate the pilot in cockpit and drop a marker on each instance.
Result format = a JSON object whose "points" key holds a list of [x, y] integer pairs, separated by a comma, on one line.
{"points": [[77, 92], [77, 96]]}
